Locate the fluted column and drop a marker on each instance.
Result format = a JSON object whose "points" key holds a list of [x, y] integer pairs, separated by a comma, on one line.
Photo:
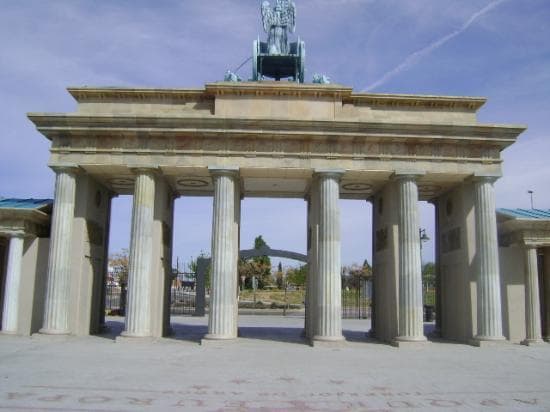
{"points": [[546, 293], [532, 299], [438, 280], [138, 307], [56, 310], [489, 314], [313, 245], [10, 315], [328, 316], [222, 319], [411, 323]]}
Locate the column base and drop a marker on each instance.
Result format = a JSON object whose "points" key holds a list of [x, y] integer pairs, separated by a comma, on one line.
{"points": [[532, 342], [487, 341], [408, 341], [328, 341], [215, 340], [216, 337], [8, 333], [44, 331], [135, 339], [132, 335]]}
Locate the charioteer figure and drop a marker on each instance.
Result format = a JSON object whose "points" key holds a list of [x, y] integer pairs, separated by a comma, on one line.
{"points": [[277, 58]]}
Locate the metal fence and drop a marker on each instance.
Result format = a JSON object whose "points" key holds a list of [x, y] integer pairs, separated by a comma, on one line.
{"points": [[356, 300], [115, 299], [182, 299]]}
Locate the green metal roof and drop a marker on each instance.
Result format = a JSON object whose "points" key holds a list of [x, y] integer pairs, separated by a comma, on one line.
{"points": [[27, 204], [539, 214]]}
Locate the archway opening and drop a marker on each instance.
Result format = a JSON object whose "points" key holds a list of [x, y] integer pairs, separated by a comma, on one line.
{"points": [[191, 242], [116, 279], [272, 285], [431, 297], [357, 285]]}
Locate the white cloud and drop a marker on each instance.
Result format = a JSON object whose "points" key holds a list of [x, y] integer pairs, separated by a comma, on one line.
{"points": [[415, 57]]}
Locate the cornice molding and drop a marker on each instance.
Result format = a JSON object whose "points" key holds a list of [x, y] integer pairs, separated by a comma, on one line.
{"points": [[424, 101], [52, 125], [272, 88], [98, 94]]}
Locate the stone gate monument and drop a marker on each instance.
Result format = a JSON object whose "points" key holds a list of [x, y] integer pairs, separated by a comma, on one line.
{"points": [[318, 142]]}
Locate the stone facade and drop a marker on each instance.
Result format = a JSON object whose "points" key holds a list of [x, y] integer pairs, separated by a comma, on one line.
{"points": [[273, 139], [24, 244], [524, 240]]}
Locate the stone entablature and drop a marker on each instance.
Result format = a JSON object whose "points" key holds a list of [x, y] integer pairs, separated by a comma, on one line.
{"points": [[24, 233], [316, 142], [523, 231], [29, 222], [277, 133], [528, 232]]}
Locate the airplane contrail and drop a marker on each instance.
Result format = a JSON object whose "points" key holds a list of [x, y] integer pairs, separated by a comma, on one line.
{"points": [[417, 55]]}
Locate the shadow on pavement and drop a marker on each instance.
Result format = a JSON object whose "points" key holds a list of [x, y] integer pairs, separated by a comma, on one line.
{"points": [[112, 329], [188, 333], [276, 334], [194, 333]]}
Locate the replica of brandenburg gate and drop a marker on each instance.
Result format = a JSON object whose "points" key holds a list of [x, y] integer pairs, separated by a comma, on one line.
{"points": [[320, 142]]}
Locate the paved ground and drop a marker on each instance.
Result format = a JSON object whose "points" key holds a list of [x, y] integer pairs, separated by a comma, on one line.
{"points": [[268, 369]]}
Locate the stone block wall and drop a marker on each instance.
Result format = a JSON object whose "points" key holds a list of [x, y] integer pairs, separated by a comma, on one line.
{"points": [[89, 255], [456, 216], [385, 263]]}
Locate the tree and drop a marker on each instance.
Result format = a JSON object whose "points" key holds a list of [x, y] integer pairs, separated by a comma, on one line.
{"points": [[259, 243], [354, 275], [250, 268], [119, 263], [192, 269], [428, 274], [297, 276], [259, 266], [279, 276]]}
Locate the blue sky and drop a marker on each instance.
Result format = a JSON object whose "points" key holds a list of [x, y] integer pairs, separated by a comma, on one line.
{"points": [[499, 49]]}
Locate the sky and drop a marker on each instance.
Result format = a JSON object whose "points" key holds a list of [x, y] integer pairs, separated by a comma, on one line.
{"points": [[498, 49]]}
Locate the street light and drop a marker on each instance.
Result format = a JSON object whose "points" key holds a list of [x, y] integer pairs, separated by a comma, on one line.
{"points": [[423, 236], [531, 194]]}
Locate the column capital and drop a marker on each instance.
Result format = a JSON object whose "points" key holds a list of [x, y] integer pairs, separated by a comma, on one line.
{"points": [[72, 168], [224, 171], [17, 234], [484, 178], [407, 174], [143, 169], [334, 173], [529, 245]]}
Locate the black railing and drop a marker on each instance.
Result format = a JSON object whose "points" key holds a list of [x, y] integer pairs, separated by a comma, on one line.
{"points": [[115, 299], [355, 300], [182, 300]]}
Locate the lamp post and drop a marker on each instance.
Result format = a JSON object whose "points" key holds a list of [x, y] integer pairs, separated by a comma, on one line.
{"points": [[423, 237], [531, 194]]}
